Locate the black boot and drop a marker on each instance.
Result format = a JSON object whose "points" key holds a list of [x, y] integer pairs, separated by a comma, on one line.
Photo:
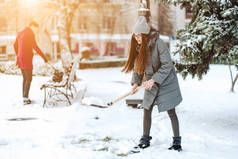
{"points": [[144, 141], [176, 144]]}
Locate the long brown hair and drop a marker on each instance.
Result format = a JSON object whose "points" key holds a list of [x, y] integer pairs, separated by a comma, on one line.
{"points": [[137, 60]]}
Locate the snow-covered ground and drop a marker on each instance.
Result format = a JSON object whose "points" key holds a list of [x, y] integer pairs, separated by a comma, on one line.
{"points": [[208, 121]]}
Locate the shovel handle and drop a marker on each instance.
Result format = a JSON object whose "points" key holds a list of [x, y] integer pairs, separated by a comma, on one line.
{"points": [[124, 96]]}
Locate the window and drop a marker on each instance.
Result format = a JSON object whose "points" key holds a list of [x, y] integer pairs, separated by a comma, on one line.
{"points": [[108, 23], [110, 49], [3, 24], [3, 50], [82, 23]]}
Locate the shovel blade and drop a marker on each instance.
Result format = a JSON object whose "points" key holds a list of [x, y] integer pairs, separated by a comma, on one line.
{"points": [[99, 106]]}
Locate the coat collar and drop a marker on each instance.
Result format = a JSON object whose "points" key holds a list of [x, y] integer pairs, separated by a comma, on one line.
{"points": [[154, 35]]}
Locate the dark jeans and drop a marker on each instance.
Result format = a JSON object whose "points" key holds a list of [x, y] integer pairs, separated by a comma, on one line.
{"points": [[147, 121], [27, 78]]}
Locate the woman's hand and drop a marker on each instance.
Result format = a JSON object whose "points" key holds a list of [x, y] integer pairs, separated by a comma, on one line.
{"points": [[149, 84], [134, 89]]}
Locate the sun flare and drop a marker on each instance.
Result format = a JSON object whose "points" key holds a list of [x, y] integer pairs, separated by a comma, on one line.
{"points": [[30, 2]]}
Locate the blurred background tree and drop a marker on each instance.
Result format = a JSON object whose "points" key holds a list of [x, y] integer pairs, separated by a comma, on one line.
{"points": [[211, 36], [164, 20]]}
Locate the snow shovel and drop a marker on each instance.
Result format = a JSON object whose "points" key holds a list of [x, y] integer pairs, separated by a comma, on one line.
{"points": [[123, 96], [94, 105], [116, 100]]}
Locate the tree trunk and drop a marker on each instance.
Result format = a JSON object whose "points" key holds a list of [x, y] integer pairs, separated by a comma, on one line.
{"points": [[68, 25], [233, 83], [65, 39], [231, 75], [64, 50]]}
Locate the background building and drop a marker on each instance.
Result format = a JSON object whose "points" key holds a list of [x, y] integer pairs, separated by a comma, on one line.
{"points": [[103, 26]]}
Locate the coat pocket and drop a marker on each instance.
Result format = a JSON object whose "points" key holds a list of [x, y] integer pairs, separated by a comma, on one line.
{"points": [[169, 80]]}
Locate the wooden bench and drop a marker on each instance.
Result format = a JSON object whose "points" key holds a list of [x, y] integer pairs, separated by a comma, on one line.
{"points": [[64, 91]]}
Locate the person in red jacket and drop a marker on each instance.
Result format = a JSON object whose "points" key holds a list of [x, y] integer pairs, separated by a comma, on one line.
{"points": [[23, 46]]}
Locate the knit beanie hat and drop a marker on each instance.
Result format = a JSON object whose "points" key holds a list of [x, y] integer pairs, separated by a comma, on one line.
{"points": [[141, 26]]}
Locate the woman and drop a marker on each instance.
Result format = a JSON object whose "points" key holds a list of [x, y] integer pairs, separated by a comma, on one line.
{"points": [[149, 57]]}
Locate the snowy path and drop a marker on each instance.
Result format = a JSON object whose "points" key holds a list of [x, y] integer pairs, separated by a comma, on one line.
{"points": [[208, 116]]}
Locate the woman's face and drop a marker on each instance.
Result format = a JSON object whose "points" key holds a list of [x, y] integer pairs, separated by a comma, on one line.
{"points": [[138, 38]]}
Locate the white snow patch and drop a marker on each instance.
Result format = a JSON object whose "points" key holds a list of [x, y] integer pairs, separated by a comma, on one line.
{"points": [[92, 100], [208, 120]]}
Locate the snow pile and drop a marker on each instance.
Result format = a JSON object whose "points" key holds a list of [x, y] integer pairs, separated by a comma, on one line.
{"points": [[40, 68], [92, 100], [208, 120], [9, 68]]}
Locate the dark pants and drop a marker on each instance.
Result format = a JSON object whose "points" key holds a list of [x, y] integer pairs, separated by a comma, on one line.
{"points": [[27, 78], [147, 121]]}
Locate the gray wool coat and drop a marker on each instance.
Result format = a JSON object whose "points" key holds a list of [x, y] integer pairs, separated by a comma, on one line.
{"points": [[165, 93]]}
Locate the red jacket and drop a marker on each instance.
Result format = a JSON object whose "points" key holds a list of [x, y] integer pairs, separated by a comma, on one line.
{"points": [[23, 46]]}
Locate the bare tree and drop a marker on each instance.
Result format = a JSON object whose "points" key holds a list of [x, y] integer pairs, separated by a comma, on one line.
{"points": [[233, 79], [164, 20], [65, 11]]}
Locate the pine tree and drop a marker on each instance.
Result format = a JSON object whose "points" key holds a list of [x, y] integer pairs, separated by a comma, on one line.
{"points": [[211, 35]]}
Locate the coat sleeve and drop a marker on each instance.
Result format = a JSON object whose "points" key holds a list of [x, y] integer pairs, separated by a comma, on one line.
{"points": [[136, 78], [37, 49], [166, 63]]}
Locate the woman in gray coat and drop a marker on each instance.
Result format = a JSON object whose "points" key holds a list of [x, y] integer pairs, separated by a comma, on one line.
{"points": [[149, 58]]}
